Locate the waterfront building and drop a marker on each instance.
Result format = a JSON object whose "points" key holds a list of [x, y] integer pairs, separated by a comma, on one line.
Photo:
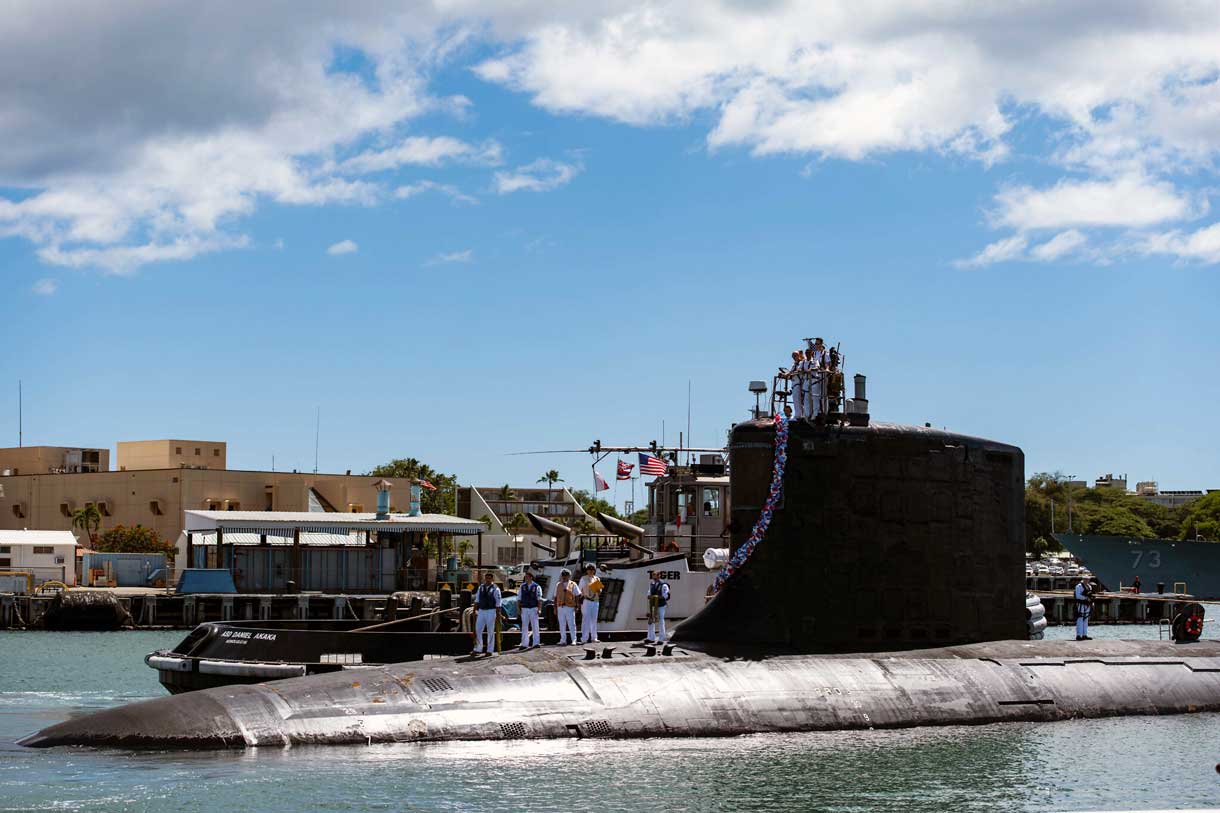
{"points": [[44, 555], [265, 551], [133, 455], [1149, 491], [53, 460], [46, 485], [1110, 481]]}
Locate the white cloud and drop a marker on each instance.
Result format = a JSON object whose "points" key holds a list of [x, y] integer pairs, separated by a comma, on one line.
{"points": [[421, 151], [343, 247], [453, 192], [134, 132], [1202, 245], [464, 256], [1129, 201], [126, 259], [539, 176], [46, 286], [1061, 245], [1005, 250]]}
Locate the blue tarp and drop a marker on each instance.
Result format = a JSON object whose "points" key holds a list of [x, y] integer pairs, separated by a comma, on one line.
{"points": [[206, 580]]}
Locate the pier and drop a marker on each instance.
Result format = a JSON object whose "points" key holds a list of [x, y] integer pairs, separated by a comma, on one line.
{"points": [[159, 609], [1115, 608]]}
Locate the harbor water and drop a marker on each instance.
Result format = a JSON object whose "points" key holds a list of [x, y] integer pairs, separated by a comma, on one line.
{"points": [[1126, 763]]}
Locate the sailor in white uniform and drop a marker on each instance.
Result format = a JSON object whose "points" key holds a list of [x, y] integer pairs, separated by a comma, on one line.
{"points": [[815, 363], [1084, 607], [658, 597], [530, 602], [487, 604], [796, 382]]}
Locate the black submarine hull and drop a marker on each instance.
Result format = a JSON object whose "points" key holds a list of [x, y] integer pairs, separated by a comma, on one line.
{"points": [[553, 693]]}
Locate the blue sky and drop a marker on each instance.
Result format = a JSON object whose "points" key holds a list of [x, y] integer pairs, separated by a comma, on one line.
{"points": [[535, 262]]}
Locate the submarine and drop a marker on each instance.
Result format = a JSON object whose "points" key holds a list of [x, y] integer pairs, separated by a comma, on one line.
{"points": [[876, 581]]}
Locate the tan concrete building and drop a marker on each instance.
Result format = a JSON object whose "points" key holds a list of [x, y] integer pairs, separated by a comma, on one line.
{"points": [[135, 455], [35, 497], [53, 460]]}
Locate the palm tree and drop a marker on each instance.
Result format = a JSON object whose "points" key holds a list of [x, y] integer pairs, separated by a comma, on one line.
{"points": [[550, 478], [516, 523], [463, 549], [89, 520], [583, 526], [506, 493]]}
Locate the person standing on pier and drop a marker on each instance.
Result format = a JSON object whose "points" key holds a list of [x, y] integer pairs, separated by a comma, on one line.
{"points": [[530, 602], [590, 590], [566, 596], [1084, 606], [658, 597], [487, 602]]}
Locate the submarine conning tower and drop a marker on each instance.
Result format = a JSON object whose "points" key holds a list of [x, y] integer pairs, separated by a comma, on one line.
{"points": [[886, 537]]}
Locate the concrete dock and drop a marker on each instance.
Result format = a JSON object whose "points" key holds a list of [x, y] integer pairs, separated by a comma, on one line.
{"points": [[159, 609]]}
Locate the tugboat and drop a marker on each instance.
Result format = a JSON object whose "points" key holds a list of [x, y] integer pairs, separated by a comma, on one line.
{"points": [[875, 582]]}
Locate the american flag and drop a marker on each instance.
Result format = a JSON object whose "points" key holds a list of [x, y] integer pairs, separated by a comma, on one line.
{"points": [[425, 484], [650, 465], [624, 470]]}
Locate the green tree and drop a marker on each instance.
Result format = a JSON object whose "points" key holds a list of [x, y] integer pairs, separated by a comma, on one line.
{"points": [[1201, 518], [506, 493], [464, 553], [517, 523], [593, 504], [133, 539], [89, 520], [639, 517], [550, 478], [441, 501], [583, 525]]}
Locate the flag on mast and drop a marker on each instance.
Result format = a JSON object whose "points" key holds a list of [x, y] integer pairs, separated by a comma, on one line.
{"points": [[624, 470], [652, 465], [602, 485]]}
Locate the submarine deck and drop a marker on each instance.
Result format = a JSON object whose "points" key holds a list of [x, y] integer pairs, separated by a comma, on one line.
{"points": [[554, 693]]}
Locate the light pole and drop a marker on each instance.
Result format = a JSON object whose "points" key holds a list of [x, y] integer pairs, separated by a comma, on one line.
{"points": [[1069, 491]]}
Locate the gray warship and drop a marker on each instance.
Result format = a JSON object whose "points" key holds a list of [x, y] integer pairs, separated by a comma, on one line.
{"points": [[886, 591]]}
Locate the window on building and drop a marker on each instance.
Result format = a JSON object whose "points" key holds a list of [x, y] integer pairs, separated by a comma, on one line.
{"points": [[711, 502], [196, 451], [6, 549], [5, 563], [216, 453], [43, 549], [59, 560], [177, 450]]}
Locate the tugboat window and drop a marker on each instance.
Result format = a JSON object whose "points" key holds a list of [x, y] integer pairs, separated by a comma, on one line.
{"points": [[711, 502]]}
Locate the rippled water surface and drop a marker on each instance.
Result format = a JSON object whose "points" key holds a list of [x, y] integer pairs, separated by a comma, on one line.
{"points": [[1127, 763]]}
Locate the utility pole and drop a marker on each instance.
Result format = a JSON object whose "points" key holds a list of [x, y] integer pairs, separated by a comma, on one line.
{"points": [[20, 417], [1069, 490]]}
